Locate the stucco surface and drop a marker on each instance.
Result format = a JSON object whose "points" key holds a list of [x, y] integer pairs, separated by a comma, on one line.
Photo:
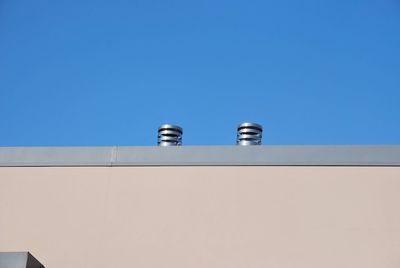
{"points": [[181, 217]]}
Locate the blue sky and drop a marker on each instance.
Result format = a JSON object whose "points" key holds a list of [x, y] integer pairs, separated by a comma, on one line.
{"points": [[110, 72]]}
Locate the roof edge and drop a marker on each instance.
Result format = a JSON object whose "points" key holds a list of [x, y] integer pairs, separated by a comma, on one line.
{"points": [[264, 155]]}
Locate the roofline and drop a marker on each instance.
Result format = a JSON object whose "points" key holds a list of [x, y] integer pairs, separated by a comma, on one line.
{"points": [[264, 155]]}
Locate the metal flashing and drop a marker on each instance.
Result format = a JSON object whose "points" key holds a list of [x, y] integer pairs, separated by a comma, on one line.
{"points": [[265, 155], [18, 260]]}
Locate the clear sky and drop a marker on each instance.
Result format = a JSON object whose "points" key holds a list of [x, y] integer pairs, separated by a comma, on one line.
{"points": [[110, 72]]}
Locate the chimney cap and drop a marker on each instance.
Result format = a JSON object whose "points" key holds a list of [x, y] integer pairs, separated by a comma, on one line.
{"points": [[250, 125], [170, 127], [169, 135], [249, 134]]}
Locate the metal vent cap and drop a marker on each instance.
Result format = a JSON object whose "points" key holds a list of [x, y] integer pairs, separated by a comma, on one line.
{"points": [[169, 135], [249, 134]]}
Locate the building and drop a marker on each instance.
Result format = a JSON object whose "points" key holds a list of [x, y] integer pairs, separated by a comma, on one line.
{"points": [[205, 206]]}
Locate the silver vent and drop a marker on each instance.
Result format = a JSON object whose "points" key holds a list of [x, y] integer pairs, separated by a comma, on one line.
{"points": [[169, 135], [249, 134]]}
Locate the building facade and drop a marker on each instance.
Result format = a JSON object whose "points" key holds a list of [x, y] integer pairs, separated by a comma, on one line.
{"points": [[217, 206]]}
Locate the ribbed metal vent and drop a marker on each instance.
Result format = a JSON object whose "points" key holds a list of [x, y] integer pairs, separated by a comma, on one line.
{"points": [[169, 135], [249, 134]]}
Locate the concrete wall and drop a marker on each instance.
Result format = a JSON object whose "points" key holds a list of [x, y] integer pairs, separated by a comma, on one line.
{"points": [[182, 217]]}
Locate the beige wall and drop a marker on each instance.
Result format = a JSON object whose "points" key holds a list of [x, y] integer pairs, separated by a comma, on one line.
{"points": [[182, 217]]}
